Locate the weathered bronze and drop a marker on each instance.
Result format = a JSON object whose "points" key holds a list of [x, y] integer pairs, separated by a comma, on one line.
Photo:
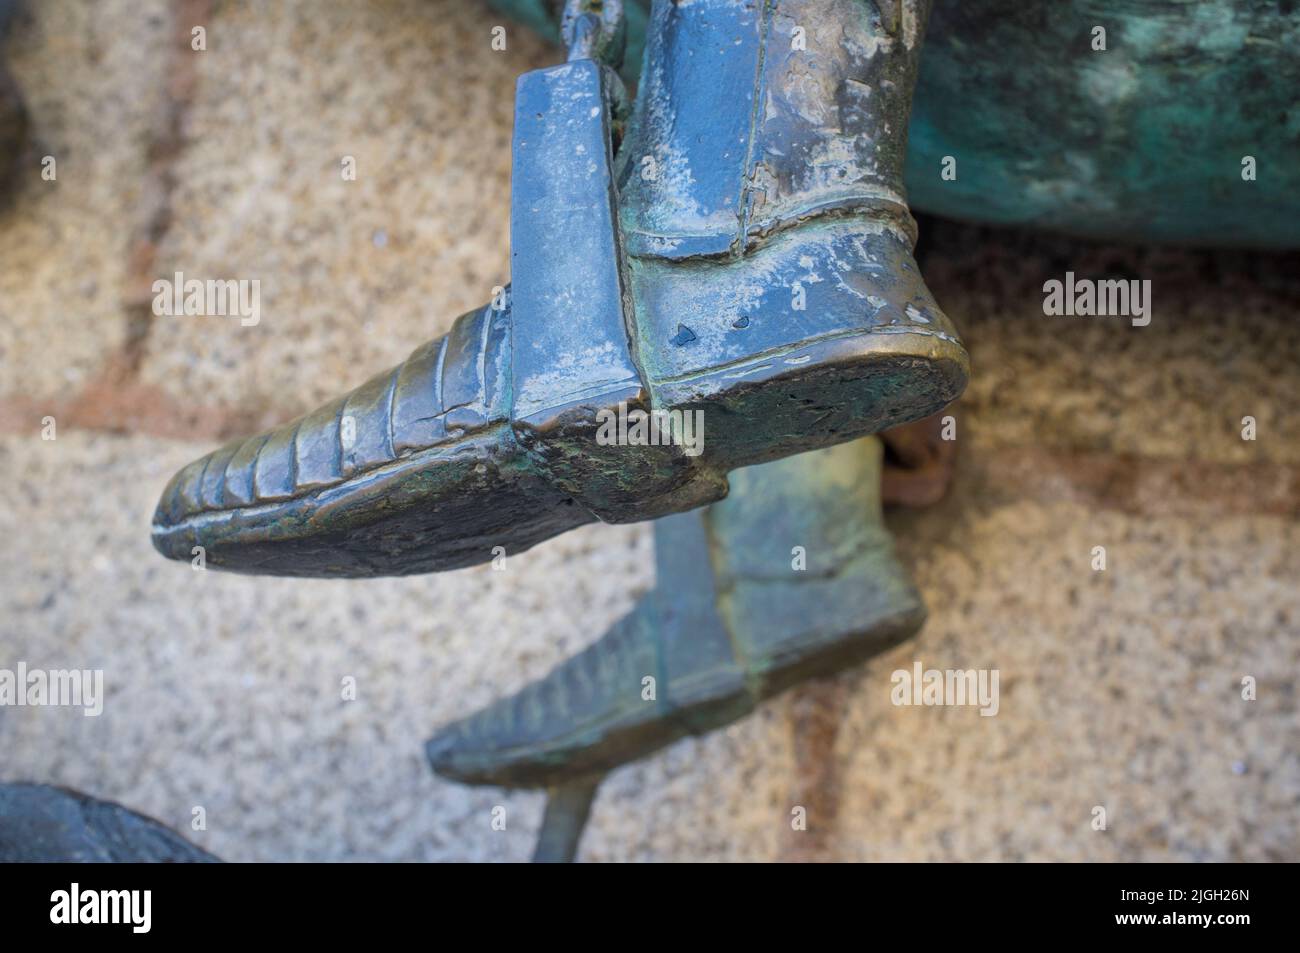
{"points": [[745, 256], [738, 252], [44, 824], [919, 461], [791, 577], [1123, 120]]}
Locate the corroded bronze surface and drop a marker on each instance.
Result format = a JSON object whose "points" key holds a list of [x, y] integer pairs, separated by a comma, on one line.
{"points": [[1143, 140], [44, 824], [746, 256], [791, 577], [1137, 135]]}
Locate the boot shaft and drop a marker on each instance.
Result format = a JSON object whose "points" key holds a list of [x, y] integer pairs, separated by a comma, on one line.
{"points": [[756, 116]]}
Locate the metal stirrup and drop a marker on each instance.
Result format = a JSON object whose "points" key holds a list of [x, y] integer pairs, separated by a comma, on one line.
{"points": [[595, 30]]}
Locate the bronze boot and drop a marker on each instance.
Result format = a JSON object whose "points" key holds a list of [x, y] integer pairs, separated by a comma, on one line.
{"points": [[791, 577], [730, 283], [41, 824]]}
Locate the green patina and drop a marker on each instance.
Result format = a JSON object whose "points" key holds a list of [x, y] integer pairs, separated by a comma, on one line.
{"points": [[1141, 141]]}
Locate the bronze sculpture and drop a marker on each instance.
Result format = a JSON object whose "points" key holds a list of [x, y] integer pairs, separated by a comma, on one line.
{"points": [[790, 577], [1122, 120], [759, 273], [44, 824], [687, 343], [736, 250]]}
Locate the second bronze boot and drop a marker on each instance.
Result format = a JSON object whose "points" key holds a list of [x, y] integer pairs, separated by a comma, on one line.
{"points": [[791, 577]]}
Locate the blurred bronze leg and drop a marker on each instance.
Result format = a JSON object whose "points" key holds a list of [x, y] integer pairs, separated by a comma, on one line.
{"points": [[918, 463]]}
